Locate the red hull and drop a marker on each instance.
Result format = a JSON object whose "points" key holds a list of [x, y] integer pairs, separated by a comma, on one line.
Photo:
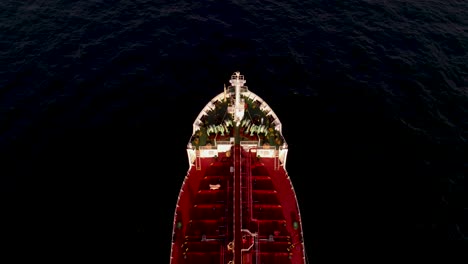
{"points": [[237, 204]]}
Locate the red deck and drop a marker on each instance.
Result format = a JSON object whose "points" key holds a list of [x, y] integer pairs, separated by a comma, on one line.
{"points": [[237, 208]]}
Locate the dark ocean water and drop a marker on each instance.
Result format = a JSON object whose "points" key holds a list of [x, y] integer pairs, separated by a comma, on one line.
{"points": [[97, 100]]}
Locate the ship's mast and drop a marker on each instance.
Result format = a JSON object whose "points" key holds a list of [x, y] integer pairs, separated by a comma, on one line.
{"points": [[238, 81]]}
